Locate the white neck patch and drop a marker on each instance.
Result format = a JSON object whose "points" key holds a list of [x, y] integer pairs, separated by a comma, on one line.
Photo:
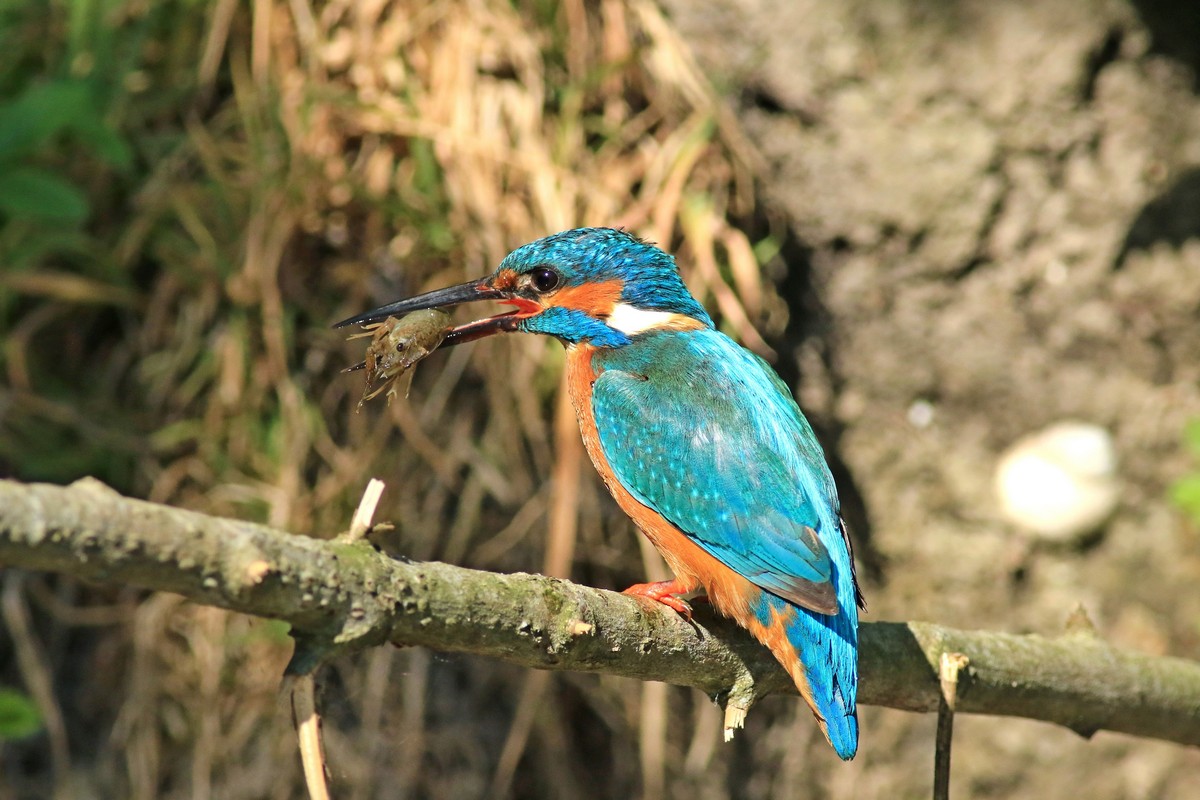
{"points": [[631, 320]]}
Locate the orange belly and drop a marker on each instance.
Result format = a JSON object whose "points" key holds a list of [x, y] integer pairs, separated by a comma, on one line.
{"points": [[729, 592]]}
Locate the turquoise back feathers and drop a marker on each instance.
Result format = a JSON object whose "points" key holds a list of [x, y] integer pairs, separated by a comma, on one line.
{"points": [[704, 432], [706, 436]]}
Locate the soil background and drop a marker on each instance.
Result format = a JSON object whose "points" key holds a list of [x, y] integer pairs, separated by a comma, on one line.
{"points": [[997, 206]]}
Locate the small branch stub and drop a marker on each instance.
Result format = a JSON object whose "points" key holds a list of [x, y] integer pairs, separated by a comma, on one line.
{"points": [[735, 719], [1080, 624], [366, 510], [951, 665], [737, 704]]}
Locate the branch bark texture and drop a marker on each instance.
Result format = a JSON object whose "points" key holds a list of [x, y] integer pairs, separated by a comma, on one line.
{"points": [[341, 596]]}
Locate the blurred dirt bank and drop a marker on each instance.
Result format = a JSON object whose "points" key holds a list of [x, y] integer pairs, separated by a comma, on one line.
{"points": [[997, 205]]}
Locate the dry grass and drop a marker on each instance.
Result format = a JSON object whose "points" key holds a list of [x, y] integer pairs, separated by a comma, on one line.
{"points": [[300, 163]]}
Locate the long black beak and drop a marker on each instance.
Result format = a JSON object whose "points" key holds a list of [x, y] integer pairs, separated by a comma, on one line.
{"points": [[452, 295]]}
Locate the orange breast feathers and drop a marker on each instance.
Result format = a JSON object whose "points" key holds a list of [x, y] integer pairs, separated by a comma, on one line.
{"points": [[730, 593]]}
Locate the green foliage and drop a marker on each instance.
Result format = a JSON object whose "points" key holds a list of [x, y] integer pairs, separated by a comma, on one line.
{"points": [[63, 112], [1185, 492], [83, 89], [57, 135], [19, 717], [184, 211]]}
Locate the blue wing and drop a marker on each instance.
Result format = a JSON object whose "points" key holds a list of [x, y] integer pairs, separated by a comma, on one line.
{"points": [[704, 432]]}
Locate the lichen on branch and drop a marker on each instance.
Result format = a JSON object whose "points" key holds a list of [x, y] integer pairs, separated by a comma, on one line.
{"points": [[340, 595]]}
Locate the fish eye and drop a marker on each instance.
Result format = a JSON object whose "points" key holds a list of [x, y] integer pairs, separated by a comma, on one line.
{"points": [[544, 279]]}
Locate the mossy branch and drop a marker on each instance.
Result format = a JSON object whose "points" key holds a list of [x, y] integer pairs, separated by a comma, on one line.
{"points": [[341, 595]]}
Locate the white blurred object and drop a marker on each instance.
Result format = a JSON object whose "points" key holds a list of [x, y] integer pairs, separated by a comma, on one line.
{"points": [[1059, 483], [920, 414]]}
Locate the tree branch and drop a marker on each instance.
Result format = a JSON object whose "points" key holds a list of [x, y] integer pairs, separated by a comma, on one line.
{"points": [[340, 596]]}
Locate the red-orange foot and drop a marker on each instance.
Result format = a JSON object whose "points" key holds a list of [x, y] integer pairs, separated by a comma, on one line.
{"points": [[664, 592]]}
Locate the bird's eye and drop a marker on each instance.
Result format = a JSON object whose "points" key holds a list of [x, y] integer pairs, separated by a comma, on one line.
{"points": [[544, 279]]}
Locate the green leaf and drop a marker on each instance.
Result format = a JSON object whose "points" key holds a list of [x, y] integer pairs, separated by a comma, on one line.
{"points": [[36, 193], [106, 143], [41, 112], [19, 717], [1185, 493], [274, 631], [1191, 436]]}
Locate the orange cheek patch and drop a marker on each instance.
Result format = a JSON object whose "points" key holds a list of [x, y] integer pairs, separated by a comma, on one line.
{"points": [[596, 299]]}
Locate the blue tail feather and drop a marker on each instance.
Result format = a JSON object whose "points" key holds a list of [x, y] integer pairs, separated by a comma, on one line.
{"points": [[827, 646]]}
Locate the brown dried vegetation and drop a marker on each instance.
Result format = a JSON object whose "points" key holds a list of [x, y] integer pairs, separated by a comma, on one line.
{"points": [[317, 161]]}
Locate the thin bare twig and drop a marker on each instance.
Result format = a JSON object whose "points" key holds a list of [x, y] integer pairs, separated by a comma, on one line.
{"points": [[302, 688], [949, 666], [308, 729], [32, 663]]}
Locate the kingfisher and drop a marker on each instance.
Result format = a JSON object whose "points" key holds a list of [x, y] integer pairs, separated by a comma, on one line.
{"points": [[699, 441]]}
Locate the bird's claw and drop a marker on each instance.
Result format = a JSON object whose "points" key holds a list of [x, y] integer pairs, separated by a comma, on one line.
{"points": [[664, 592]]}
